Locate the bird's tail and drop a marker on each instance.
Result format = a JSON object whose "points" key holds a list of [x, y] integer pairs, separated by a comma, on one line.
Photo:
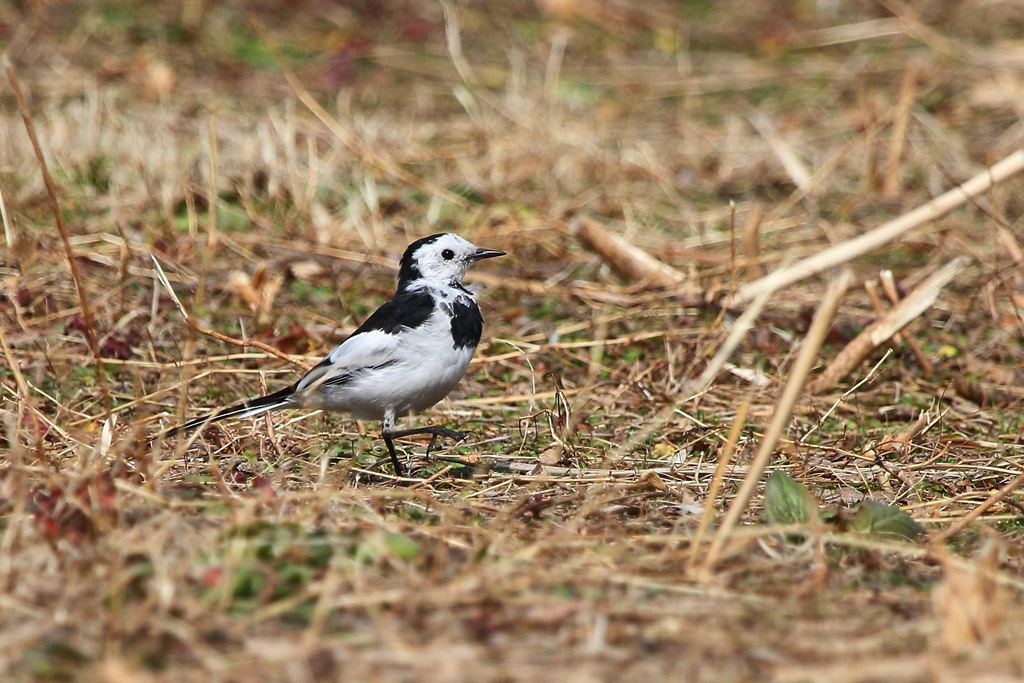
{"points": [[250, 408]]}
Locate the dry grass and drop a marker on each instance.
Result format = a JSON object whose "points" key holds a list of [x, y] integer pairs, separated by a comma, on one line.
{"points": [[727, 140]]}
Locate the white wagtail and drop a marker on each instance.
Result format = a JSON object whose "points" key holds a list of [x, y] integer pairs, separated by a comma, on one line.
{"points": [[404, 358]]}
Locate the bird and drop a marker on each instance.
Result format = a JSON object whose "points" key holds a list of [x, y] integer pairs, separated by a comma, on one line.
{"points": [[405, 357]]}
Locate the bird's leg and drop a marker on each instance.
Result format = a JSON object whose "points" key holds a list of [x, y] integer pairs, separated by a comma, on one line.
{"points": [[388, 433], [430, 446], [391, 451]]}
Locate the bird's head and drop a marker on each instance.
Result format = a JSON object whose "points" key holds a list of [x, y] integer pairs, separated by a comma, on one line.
{"points": [[442, 258]]}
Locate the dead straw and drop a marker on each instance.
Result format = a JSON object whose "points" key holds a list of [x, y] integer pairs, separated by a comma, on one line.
{"points": [[352, 142], [631, 262], [977, 512], [23, 392], [243, 343], [883, 329], [51, 191], [889, 286], [901, 123], [212, 237], [751, 240], [862, 244], [737, 332], [8, 232], [724, 459], [783, 410]]}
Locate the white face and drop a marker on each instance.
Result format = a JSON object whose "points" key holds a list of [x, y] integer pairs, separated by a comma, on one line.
{"points": [[444, 258]]}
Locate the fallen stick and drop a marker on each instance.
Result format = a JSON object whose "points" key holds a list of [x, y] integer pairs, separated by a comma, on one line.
{"points": [[851, 249], [889, 287], [806, 356], [632, 263], [899, 337], [751, 241], [883, 329]]}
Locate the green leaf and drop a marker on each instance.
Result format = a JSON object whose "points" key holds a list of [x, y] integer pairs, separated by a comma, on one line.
{"points": [[401, 546], [786, 501], [882, 519]]}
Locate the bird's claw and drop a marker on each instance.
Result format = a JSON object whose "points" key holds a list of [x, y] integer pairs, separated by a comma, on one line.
{"points": [[447, 433]]}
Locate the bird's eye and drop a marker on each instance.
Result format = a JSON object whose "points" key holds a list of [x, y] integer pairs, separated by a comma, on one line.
{"points": [[447, 254]]}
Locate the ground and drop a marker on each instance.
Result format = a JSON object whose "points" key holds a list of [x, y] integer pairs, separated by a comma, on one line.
{"points": [[274, 159]]}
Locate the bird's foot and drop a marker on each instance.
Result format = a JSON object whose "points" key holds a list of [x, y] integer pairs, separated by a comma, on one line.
{"points": [[446, 433], [434, 431]]}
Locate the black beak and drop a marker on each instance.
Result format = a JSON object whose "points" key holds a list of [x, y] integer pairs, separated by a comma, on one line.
{"points": [[486, 253]]}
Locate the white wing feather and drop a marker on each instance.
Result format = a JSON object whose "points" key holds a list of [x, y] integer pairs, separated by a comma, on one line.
{"points": [[364, 350]]}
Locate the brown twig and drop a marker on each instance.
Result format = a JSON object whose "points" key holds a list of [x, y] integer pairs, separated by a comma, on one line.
{"points": [[889, 286], [876, 305], [994, 498], [876, 301], [751, 240], [51, 191], [432, 478], [23, 392], [858, 246], [883, 329], [243, 343], [632, 263]]}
